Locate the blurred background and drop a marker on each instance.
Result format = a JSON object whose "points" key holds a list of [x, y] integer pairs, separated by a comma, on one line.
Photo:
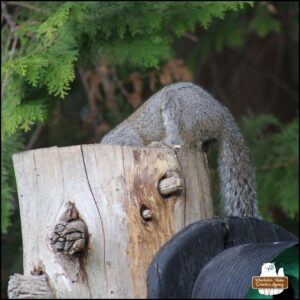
{"points": [[71, 71]]}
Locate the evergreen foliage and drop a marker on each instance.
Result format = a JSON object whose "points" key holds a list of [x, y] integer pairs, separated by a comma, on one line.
{"points": [[41, 51], [140, 35]]}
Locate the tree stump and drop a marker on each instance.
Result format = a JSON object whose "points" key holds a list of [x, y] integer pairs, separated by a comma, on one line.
{"points": [[93, 216]]}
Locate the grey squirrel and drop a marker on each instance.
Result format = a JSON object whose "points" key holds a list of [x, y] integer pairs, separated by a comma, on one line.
{"points": [[185, 114]]}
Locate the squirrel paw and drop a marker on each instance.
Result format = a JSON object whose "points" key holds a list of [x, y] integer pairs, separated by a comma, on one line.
{"points": [[156, 144], [164, 145], [176, 147]]}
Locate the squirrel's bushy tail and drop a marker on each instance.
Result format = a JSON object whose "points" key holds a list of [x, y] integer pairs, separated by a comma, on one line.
{"points": [[238, 189]]}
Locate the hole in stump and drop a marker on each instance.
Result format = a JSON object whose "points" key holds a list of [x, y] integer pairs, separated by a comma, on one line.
{"points": [[146, 213]]}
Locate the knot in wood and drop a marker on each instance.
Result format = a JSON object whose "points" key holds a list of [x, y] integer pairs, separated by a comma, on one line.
{"points": [[147, 214], [69, 235], [170, 185]]}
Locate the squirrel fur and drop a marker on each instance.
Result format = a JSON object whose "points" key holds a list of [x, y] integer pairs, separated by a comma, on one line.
{"points": [[185, 114]]}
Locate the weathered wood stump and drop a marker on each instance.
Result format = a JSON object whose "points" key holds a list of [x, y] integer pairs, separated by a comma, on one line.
{"points": [[93, 216]]}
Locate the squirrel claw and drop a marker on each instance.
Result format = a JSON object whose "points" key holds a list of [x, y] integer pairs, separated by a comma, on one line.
{"points": [[156, 144], [176, 147]]}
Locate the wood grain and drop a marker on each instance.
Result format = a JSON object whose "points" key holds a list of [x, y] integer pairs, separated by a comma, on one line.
{"points": [[111, 186]]}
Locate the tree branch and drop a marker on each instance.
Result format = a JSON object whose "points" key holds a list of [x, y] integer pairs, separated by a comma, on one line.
{"points": [[191, 36], [277, 165], [274, 79], [87, 90], [7, 17], [13, 49], [13, 27], [217, 83], [36, 133], [28, 6], [119, 84]]}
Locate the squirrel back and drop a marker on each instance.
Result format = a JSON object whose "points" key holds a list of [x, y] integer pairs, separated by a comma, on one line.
{"points": [[185, 114]]}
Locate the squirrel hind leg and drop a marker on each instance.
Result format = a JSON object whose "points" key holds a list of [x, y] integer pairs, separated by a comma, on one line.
{"points": [[172, 129]]}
